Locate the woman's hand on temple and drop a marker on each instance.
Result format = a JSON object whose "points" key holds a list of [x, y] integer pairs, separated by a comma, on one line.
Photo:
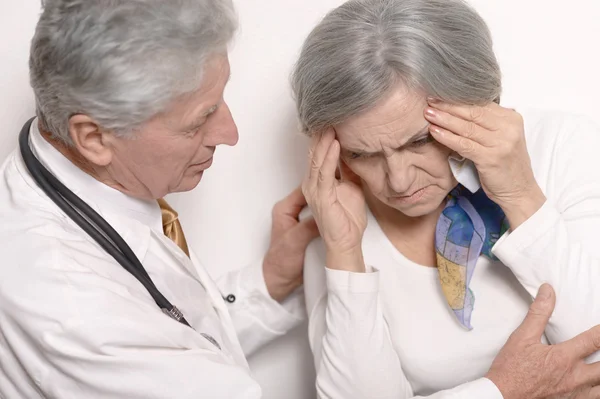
{"points": [[338, 207], [493, 138]]}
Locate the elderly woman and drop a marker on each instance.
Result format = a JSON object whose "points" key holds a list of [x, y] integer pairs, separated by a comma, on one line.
{"points": [[470, 206]]}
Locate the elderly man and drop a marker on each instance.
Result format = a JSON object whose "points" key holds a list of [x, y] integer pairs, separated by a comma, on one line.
{"points": [[130, 108]]}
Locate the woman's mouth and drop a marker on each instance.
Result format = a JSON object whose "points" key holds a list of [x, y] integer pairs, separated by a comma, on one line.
{"points": [[412, 198]]}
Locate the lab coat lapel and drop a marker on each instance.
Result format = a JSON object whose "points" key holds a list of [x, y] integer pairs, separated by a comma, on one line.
{"points": [[180, 256], [194, 267]]}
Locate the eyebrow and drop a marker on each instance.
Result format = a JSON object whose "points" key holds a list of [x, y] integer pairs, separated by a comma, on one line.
{"points": [[200, 120], [412, 138]]}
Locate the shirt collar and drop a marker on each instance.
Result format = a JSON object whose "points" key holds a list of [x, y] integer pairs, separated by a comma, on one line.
{"points": [[107, 201]]}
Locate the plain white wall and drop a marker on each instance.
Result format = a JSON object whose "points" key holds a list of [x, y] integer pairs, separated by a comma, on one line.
{"points": [[548, 53]]}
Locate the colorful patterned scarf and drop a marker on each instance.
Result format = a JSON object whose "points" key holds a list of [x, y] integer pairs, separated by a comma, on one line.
{"points": [[469, 226]]}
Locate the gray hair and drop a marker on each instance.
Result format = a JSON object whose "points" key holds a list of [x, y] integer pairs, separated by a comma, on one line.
{"points": [[121, 62], [364, 48]]}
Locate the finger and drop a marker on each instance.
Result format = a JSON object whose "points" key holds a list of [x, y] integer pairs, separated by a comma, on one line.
{"points": [[588, 374], [593, 393], [292, 204], [488, 116], [460, 126], [585, 392], [318, 153], [314, 142], [584, 344], [347, 174], [540, 310], [327, 173], [461, 145]]}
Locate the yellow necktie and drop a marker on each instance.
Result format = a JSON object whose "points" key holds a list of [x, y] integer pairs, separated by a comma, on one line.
{"points": [[172, 227]]}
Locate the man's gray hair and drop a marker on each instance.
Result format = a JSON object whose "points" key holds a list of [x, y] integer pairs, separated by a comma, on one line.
{"points": [[364, 48], [121, 62]]}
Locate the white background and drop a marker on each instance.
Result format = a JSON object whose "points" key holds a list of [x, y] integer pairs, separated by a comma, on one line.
{"points": [[548, 50]]}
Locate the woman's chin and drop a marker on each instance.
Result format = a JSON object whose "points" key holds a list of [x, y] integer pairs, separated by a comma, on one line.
{"points": [[418, 210]]}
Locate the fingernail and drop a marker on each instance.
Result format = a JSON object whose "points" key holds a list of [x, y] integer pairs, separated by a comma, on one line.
{"points": [[430, 113], [433, 100], [436, 130], [545, 292]]}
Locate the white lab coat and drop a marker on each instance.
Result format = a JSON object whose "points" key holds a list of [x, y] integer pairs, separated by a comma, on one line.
{"points": [[75, 324]]}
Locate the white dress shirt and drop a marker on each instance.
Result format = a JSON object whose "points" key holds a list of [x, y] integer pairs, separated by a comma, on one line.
{"points": [[75, 324], [390, 333]]}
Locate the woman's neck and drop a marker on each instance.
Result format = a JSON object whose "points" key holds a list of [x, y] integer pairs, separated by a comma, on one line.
{"points": [[414, 237]]}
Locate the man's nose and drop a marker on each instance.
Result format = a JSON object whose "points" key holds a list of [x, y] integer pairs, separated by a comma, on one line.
{"points": [[223, 129]]}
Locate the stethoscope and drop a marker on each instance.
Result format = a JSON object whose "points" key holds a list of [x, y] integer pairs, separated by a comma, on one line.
{"points": [[93, 224]]}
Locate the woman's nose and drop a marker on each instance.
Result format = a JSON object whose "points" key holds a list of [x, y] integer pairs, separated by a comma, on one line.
{"points": [[399, 174]]}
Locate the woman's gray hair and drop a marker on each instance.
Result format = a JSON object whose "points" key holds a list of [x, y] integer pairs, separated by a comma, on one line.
{"points": [[121, 62], [364, 48]]}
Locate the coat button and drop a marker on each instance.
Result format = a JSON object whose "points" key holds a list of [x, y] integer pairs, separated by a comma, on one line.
{"points": [[230, 298]]}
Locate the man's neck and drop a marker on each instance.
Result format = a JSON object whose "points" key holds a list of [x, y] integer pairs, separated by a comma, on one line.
{"points": [[70, 152]]}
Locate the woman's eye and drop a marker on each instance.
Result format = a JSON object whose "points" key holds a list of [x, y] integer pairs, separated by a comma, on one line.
{"points": [[355, 155], [421, 142]]}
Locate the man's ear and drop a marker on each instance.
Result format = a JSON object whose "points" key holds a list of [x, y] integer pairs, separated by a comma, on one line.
{"points": [[90, 140]]}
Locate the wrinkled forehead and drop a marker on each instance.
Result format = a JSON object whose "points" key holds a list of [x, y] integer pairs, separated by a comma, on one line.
{"points": [[390, 123]]}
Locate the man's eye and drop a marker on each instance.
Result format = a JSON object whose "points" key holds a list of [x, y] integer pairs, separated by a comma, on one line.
{"points": [[196, 129], [193, 131]]}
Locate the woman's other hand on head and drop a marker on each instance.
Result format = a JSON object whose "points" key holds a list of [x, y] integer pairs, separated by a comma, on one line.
{"points": [[338, 206], [493, 137]]}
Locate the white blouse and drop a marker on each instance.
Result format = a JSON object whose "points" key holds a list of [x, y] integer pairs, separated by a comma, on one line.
{"points": [[389, 333]]}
